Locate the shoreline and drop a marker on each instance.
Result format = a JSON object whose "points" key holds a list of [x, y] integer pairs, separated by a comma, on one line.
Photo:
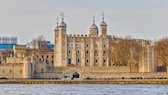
{"points": [[116, 81]]}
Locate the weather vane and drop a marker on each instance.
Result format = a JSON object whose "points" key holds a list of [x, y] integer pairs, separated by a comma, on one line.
{"points": [[62, 14], [103, 16], [93, 19]]}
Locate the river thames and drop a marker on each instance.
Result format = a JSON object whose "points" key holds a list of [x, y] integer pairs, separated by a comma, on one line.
{"points": [[83, 89]]}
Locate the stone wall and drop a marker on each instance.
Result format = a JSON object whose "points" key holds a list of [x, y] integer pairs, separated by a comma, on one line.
{"points": [[105, 72], [11, 70], [14, 60]]}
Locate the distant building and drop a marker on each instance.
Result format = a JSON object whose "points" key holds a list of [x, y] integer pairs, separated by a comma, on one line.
{"points": [[49, 45], [6, 46], [7, 42]]}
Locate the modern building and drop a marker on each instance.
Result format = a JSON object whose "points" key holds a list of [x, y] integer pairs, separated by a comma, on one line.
{"points": [[7, 42], [49, 45]]}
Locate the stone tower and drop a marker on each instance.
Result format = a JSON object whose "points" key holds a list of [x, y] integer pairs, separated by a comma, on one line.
{"points": [[103, 27], [60, 48], [26, 68], [147, 59], [93, 31]]}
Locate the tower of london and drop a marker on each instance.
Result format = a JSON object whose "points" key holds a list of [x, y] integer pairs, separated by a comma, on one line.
{"points": [[79, 56]]}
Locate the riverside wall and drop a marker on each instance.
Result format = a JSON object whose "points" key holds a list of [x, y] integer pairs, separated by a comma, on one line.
{"points": [[100, 72]]}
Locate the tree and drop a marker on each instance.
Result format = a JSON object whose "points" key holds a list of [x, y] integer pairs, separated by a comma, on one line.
{"points": [[126, 53], [6, 53], [161, 48]]}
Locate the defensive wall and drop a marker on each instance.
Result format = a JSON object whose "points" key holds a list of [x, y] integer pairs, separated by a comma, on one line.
{"points": [[11, 70], [99, 72]]}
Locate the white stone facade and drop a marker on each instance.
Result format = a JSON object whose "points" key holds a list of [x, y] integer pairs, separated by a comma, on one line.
{"points": [[91, 49]]}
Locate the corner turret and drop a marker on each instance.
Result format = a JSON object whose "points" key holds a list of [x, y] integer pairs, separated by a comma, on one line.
{"points": [[103, 27], [93, 29]]}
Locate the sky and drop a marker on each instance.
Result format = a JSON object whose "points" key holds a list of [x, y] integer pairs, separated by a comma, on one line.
{"points": [[140, 19]]}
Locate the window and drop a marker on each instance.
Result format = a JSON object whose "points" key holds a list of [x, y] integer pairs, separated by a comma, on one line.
{"points": [[78, 51], [42, 56], [87, 51], [104, 60], [69, 61], [52, 56], [87, 45], [86, 60], [104, 45], [96, 61], [42, 70], [69, 51], [78, 60], [47, 56], [52, 62]]}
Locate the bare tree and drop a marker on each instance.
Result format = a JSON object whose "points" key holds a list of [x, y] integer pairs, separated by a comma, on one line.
{"points": [[6, 53], [126, 53], [162, 51]]}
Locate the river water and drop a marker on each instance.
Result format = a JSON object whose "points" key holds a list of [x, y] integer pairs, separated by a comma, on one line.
{"points": [[83, 89]]}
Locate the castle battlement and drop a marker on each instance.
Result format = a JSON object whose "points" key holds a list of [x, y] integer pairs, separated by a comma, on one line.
{"points": [[20, 47], [77, 35]]}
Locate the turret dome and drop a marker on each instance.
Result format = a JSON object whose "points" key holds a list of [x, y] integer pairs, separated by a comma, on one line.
{"points": [[103, 23], [93, 26], [62, 24], [56, 28]]}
